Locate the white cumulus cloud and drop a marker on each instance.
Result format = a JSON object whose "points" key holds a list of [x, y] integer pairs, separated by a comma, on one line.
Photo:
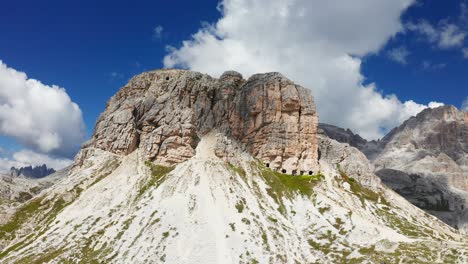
{"points": [[318, 44], [40, 117], [445, 35], [399, 55]]}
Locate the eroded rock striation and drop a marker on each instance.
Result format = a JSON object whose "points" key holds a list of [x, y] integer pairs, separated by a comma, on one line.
{"points": [[165, 112]]}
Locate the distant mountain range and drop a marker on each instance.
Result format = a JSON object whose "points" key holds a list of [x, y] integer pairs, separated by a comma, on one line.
{"points": [[32, 172]]}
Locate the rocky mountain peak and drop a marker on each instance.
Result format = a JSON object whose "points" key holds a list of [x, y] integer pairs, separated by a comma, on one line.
{"points": [[430, 149], [425, 160], [369, 148], [166, 112], [32, 172], [438, 130]]}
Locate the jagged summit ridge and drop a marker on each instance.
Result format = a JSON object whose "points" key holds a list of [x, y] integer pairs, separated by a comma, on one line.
{"points": [[32, 172], [441, 130], [165, 112]]}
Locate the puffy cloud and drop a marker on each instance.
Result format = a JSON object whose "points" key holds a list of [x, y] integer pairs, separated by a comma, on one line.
{"points": [[427, 65], [445, 35], [399, 55], [451, 36], [465, 53], [40, 117], [464, 106], [157, 32], [315, 43], [115, 76]]}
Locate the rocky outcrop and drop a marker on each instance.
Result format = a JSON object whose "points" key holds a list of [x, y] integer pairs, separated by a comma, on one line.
{"points": [[431, 149], [431, 132], [165, 112], [350, 160], [370, 148], [425, 160], [32, 172]]}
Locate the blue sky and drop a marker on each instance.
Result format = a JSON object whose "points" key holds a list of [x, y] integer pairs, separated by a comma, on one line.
{"points": [[79, 45], [448, 84], [92, 48]]}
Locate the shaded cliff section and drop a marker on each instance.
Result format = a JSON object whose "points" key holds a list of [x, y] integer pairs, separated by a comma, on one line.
{"points": [[35, 172]]}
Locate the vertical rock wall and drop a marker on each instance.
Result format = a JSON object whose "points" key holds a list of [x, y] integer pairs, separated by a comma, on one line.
{"points": [[165, 112]]}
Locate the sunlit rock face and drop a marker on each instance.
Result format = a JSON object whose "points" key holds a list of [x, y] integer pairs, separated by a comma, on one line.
{"points": [[165, 112]]}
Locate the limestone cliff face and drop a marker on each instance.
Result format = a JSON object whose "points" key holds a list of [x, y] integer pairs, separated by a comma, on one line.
{"points": [[165, 112]]}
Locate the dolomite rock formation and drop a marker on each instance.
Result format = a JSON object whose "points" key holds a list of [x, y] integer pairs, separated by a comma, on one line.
{"points": [[434, 136], [165, 112], [432, 150], [425, 160], [370, 148]]}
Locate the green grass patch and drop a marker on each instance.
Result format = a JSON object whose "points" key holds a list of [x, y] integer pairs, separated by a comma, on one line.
{"points": [[403, 225], [158, 173], [362, 192], [286, 184], [125, 226], [245, 221], [272, 219], [21, 215], [237, 170], [240, 205], [324, 209], [44, 214], [282, 185]]}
